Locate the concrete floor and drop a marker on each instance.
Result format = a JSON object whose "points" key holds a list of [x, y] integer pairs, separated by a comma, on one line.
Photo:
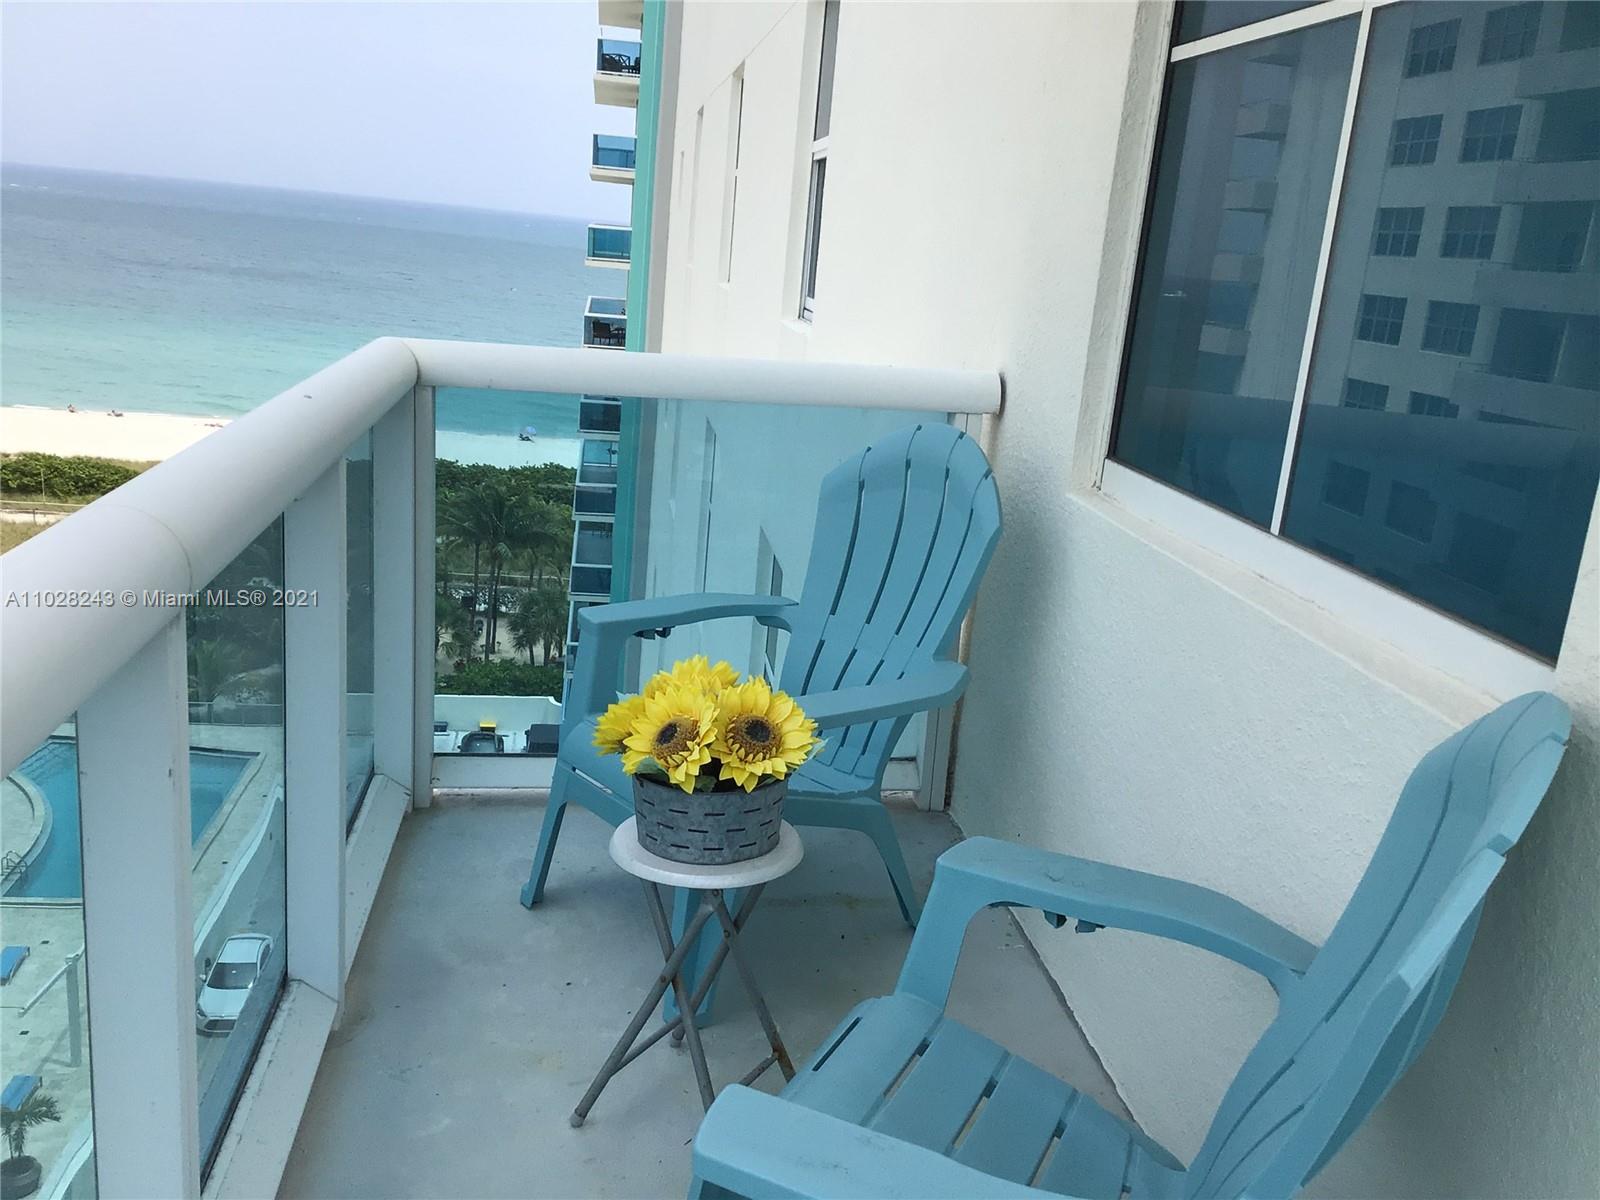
{"points": [[473, 1025]]}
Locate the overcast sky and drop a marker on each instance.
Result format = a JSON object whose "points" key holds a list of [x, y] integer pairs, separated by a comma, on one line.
{"points": [[487, 105]]}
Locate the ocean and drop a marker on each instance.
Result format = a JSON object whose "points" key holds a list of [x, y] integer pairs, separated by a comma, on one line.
{"points": [[202, 299]]}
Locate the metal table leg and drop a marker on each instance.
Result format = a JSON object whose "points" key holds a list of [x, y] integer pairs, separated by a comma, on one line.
{"points": [[730, 937], [668, 973]]}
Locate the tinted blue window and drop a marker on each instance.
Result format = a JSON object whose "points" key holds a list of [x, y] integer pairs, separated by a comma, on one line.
{"points": [[1414, 141], [1202, 18], [1224, 291], [1432, 48], [1475, 495], [1398, 233], [1491, 133], [1509, 33]]}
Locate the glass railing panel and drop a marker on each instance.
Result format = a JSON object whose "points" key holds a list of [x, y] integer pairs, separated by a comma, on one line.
{"points": [[236, 799], [44, 1035], [506, 470], [611, 150], [599, 416], [594, 501], [607, 306], [732, 492], [358, 623], [610, 243], [617, 57]]}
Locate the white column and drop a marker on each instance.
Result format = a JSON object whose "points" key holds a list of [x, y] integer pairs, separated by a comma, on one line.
{"points": [[422, 709], [314, 731], [394, 601], [133, 788]]}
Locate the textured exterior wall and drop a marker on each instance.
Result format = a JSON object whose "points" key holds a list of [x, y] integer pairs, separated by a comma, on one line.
{"points": [[1133, 699]]}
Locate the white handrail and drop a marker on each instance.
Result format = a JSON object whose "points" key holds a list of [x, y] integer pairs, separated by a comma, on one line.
{"points": [[172, 529]]}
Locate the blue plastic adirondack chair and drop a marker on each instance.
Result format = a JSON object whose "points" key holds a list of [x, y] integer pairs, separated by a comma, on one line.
{"points": [[1353, 1015], [904, 531]]}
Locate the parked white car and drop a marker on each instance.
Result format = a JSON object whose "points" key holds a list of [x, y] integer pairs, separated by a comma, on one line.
{"points": [[228, 981]]}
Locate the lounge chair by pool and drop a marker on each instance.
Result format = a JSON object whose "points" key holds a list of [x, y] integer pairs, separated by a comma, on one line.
{"points": [[18, 1089], [10, 959]]}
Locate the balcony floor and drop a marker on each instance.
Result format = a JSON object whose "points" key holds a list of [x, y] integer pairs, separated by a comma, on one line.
{"points": [[472, 1026]]}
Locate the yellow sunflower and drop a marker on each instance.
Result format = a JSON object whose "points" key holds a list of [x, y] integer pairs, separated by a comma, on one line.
{"points": [[675, 730], [616, 723], [760, 733], [698, 671]]}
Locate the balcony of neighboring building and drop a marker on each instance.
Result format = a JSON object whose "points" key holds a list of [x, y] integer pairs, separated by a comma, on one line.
{"points": [[605, 323], [616, 72], [622, 14], [612, 158], [609, 246], [599, 416]]}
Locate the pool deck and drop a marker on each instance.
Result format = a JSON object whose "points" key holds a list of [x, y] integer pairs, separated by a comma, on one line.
{"points": [[37, 1043]]}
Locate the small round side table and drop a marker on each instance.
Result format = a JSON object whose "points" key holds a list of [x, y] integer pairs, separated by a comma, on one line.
{"points": [[711, 882]]}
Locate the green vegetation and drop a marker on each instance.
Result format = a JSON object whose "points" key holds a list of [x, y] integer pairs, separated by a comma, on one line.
{"points": [[74, 479], [505, 540], [501, 677]]}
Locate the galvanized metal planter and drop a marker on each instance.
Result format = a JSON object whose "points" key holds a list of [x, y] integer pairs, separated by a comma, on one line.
{"points": [[708, 827]]}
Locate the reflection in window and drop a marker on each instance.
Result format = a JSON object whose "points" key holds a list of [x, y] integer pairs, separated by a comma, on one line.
{"points": [[46, 1048], [1485, 483], [1432, 48], [1450, 328], [1362, 393], [1399, 230], [1414, 141], [1469, 231], [1382, 318], [1509, 33], [236, 700], [1554, 234], [1491, 133], [1224, 293]]}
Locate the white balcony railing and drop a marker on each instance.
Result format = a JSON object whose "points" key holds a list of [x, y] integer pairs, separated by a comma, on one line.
{"points": [[92, 633]]}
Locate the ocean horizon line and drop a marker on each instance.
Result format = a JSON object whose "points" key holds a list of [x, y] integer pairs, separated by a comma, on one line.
{"points": [[279, 189]]}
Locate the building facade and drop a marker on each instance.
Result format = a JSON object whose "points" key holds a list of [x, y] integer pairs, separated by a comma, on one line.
{"points": [[1296, 308]]}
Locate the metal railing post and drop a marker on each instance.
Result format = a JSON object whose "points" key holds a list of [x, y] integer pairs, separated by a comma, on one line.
{"points": [[138, 919], [314, 634]]}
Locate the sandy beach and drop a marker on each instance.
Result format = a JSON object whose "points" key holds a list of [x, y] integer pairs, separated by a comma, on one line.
{"points": [[138, 437], [152, 437]]}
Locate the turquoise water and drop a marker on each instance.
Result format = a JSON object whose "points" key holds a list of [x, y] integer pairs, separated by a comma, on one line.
{"points": [[53, 768], [205, 299]]}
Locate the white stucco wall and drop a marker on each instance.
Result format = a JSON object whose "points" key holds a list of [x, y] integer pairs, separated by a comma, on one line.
{"points": [[1133, 699]]}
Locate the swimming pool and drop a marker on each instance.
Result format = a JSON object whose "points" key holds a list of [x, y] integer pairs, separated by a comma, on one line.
{"points": [[57, 873]]}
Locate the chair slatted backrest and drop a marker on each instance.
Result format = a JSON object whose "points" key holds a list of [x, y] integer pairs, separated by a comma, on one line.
{"points": [[1363, 1011], [904, 531]]}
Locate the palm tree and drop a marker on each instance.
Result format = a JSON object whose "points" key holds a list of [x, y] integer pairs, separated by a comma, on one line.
{"points": [[540, 620], [452, 626], [37, 1109], [211, 665]]}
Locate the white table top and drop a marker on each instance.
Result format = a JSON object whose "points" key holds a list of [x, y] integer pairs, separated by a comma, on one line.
{"points": [[633, 858]]}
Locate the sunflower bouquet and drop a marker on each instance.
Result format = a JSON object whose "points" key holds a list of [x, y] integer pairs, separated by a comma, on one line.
{"points": [[700, 728]]}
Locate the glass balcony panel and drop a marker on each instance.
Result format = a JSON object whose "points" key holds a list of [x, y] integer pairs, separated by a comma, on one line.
{"points": [[732, 504], [1481, 448], [593, 545], [1239, 205], [611, 150], [617, 57], [236, 798], [599, 416], [611, 243], [44, 1036], [506, 474], [358, 628]]}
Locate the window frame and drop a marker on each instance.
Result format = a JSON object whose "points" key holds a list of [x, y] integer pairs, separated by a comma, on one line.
{"points": [[1202, 533], [817, 163]]}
